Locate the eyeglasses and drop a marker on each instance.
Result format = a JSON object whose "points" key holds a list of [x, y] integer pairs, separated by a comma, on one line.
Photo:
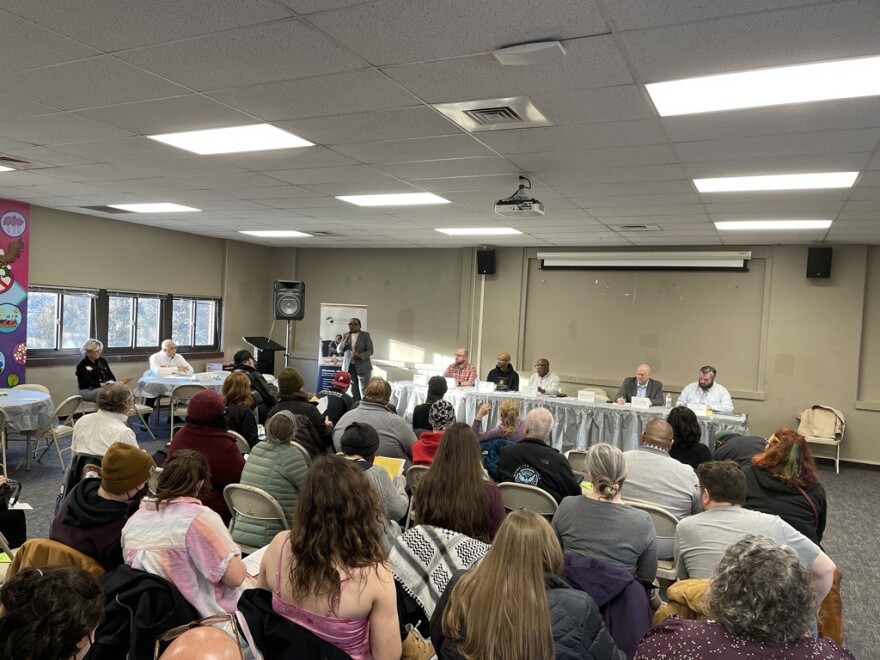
{"points": [[225, 622]]}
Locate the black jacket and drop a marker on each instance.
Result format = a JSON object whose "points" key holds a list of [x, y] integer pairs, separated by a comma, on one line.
{"points": [[268, 393], [338, 403], [578, 630], [535, 463], [91, 375], [241, 419], [766, 494], [300, 406], [509, 378]]}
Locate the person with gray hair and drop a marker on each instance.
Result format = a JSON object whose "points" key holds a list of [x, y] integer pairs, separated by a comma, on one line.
{"points": [[599, 524], [532, 461], [93, 372], [706, 391], [761, 605], [168, 357], [94, 433], [277, 467]]}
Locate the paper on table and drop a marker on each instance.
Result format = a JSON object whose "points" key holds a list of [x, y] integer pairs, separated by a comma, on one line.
{"points": [[22, 506], [393, 466]]}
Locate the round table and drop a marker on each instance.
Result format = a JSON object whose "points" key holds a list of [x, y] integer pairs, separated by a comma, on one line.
{"points": [[26, 410], [156, 386]]}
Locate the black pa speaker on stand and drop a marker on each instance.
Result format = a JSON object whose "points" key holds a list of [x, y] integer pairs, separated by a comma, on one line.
{"points": [[289, 300]]}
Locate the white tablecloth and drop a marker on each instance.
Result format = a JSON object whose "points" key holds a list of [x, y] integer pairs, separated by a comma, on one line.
{"points": [[577, 424], [26, 410], [153, 386]]}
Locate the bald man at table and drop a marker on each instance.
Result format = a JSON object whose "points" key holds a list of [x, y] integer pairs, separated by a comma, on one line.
{"points": [[641, 385], [168, 357]]}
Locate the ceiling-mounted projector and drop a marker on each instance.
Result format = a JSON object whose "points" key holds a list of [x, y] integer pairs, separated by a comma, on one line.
{"points": [[520, 205]]}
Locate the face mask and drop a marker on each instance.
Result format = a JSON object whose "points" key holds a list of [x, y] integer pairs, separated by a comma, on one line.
{"points": [[139, 494]]}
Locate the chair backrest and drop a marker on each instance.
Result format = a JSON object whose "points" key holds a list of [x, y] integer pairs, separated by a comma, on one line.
{"points": [[664, 521], [523, 496], [821, 422], [39, 553], [67, 408], [601, 394], [185, 392], [33, 387], [253, 502], [302, 450], [414, 475], [577, 459], [73, 474], [153, 481], [240, 442]]}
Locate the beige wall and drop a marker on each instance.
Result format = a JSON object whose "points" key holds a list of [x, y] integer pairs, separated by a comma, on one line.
{"points": [[781, 342]]}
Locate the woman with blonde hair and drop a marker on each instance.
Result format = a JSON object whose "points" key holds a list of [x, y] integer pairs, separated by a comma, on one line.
{"points": [[515, 604], [510, 427], [328, 573], [239, 402], [598, 523]]}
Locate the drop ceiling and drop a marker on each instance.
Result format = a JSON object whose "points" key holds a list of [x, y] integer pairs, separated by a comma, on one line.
{"points": [[82, 83]]}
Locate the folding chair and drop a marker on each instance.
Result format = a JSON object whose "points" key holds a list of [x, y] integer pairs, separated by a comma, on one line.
{"points": [[60, 426], [302, 450], [413, 476], [531, 498], [240, 442], [255, 503], [138, 410], [180, 396], [664, 526]]}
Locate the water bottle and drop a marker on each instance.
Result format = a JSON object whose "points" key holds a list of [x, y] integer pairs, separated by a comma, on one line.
{"points": [[476, 384], [669, 401]]}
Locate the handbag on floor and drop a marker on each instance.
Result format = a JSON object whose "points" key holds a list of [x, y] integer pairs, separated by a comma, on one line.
{"points": [[13, 524]]}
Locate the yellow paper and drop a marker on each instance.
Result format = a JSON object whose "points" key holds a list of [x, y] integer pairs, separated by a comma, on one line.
{"points": [[393, 466], [4, 558]]}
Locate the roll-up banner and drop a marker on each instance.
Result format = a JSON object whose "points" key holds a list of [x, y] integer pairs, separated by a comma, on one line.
{"points": [[334, 325], [15, 225]]}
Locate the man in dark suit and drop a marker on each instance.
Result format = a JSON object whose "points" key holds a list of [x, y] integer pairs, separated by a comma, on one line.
{"points": [[641, 385], [358, 347]]}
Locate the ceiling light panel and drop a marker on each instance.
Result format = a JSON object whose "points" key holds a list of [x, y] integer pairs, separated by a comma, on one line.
{"points": [[763, 225], [163, 207], [801, 83], [276, 233], [402, 199], [237, 139], [810, 181]]}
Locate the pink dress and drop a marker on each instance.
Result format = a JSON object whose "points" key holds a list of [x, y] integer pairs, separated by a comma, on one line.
{"points": [[350, 635]]}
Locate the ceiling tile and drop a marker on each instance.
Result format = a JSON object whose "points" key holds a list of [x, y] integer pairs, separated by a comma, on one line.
{"points": [[28, 46], [614, 157], [284, 159], [600, 104], [120, 149], [633, 14], [397, 151], [58, 128], [400, 123], [584, 136], [345, 174], [453, 167], [13, 106]]}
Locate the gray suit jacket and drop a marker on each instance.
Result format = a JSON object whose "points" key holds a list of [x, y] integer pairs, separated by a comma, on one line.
{"points": [[363, 346], [628, 390]]}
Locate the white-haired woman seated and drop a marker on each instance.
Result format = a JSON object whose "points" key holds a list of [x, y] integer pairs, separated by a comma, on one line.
{"points": [[761, 605], [92, 372]]}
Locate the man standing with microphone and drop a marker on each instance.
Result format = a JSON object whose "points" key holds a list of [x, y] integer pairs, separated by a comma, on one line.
{"points": [[357, 347]]}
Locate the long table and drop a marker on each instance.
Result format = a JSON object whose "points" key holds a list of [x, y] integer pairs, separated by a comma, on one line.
{"points": [[577, 424]]}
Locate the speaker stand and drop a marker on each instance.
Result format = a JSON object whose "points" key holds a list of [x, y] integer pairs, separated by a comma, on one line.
{"points": [[287, 355]]}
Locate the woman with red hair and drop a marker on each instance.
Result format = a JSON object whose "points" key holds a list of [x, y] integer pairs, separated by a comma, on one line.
{"points": [[783, 480]]}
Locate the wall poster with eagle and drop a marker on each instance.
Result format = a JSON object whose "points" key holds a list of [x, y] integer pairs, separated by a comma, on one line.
{"points": [[15, 220]]}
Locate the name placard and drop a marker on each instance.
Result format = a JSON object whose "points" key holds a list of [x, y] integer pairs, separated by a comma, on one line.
{"points": [[587, 395], [699, 408], [486, 386], [525, 390], [420, 379], [641, 402], [451, 383]]}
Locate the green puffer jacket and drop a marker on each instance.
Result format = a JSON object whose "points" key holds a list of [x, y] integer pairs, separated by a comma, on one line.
{"points": [[280, 470]]}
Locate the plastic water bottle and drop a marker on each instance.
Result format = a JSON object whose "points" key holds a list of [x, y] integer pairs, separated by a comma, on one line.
{"points": [[669, 401], [476, 383]]}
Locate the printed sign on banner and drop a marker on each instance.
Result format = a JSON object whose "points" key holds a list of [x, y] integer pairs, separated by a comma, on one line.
{"points": [[15, 218], [334, 325]]}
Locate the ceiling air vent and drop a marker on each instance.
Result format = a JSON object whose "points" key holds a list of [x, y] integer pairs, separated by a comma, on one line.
{"points": [[494, 114]]}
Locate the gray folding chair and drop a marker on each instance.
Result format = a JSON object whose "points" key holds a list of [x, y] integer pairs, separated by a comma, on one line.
{"points": [[180, 396], [664, 526], [255, 503], [531, 498], [413, 476], [240, 442]]}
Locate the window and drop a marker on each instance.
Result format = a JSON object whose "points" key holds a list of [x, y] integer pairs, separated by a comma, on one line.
{"points": [[60, 320]]}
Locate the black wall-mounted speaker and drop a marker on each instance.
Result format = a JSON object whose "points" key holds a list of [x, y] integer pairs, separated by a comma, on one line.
{"points": [[819, 262], [486, 262], [289, 300]]}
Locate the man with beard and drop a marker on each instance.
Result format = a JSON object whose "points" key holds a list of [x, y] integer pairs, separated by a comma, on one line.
{"points": [[706, 390], [503, 375]]}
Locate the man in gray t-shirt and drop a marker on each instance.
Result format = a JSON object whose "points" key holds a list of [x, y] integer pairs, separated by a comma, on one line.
{"points": [[701, 540]]}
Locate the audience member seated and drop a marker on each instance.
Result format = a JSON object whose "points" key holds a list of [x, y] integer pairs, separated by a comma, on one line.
{"points": [[328, 574], [168, 357], [437, 388], [503, 375], [546, 381], [49, 613], [265, 393], [396, 437], [535, 463], [453, 494], [204, 643], [441, 415], [701, 540], [641, 385], [339, 401], [461, 370], [174, 536], [655, 477], [510, 427], [239, 402], [731, 446], [599, 524], [762, 605], [277, 467], [783, 481], [706, 391], [93, 514], [205, 432], [686, 436], [515, 604], [359, 443], [292, 397], [93, 372], [93, 434]]}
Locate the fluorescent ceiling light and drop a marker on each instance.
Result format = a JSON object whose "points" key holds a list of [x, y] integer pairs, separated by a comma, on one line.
{"points": [[276, 233], [3, 168], [164, 207], [735, 225], [479, 231], [257, 137], [801, 83], [777, 182], [402, 199]]}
